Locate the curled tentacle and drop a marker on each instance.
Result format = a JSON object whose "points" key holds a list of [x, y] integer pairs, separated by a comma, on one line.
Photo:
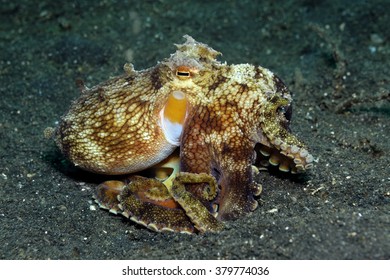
{"points": [[286, 149], [158, 207]]}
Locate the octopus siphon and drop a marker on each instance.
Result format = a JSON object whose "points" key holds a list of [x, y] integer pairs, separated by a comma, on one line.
{"points": [[197, 125]]}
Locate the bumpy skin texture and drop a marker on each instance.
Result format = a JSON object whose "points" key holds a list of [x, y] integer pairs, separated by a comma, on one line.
{"points": [[229, 114]]}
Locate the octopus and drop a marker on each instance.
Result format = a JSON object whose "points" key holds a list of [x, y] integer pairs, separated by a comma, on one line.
{"points": [[188, 132]]}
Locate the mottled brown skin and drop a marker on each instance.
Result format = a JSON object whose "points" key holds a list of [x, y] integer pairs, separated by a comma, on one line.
{"points": [[112, 128], [220, 136], [115, 128]]}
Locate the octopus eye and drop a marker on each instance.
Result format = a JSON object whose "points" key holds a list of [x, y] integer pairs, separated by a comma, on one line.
{"points": [[183, 72], [285, 113]]}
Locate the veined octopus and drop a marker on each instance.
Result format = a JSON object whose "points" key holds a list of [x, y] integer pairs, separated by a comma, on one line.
{"points": [[217, 117]]}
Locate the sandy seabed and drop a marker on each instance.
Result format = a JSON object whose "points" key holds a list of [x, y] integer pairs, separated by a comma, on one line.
{"points": [[334, 56]]}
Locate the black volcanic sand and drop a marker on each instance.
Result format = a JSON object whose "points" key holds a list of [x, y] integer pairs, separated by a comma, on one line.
{"points": [[334, 56]]}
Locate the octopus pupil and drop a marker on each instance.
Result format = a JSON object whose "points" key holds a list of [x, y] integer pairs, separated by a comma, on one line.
{"points": [[285, 111], [288, 112], [184, 74], [281, 110]]}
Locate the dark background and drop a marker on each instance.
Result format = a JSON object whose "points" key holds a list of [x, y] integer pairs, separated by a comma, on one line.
{"points": [[333, 55]]}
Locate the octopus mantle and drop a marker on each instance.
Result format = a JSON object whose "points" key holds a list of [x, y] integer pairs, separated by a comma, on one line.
{"points": [[197, 125]]}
